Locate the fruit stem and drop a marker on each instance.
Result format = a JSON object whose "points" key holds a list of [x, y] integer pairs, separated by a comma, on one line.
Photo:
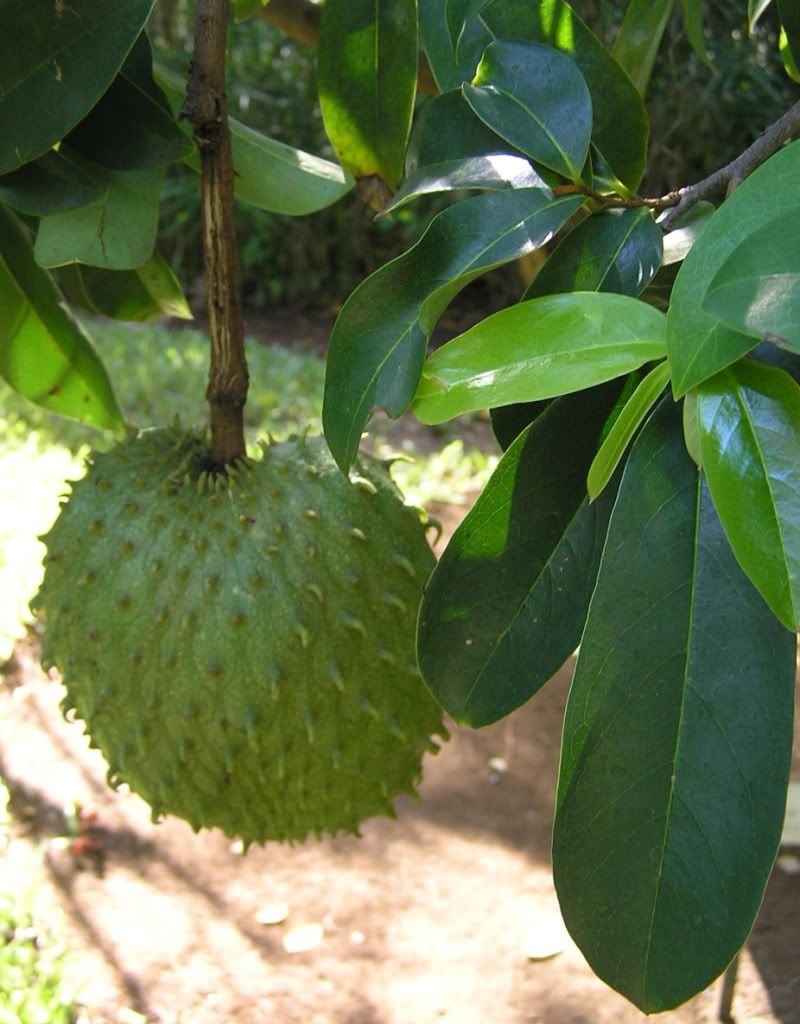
{"points": [[206, 110]]}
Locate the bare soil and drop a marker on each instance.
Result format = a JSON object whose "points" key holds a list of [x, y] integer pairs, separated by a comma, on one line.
{"points": [[425, 920]]}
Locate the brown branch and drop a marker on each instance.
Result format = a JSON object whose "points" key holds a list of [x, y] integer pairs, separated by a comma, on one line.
{"points": [[300, 20], [727, 178], [205, 109]]}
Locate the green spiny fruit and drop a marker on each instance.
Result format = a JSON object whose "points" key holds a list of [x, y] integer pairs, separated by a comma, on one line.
{"points": [[241, 646]]}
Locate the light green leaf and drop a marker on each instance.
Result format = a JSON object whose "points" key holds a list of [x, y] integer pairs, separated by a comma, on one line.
{"points": [[493, 172], [116, 231], [538, 349], [749, 422], [536, 98], [624, 428], [270, 175], [755, 8], [789, 13], [619, 120], [244, 9], [691, 428], [58, 59], [682, 237], [147, 293], [45, 354], [699, 344], [757, 288], [367, 83], [378, 343], [677, 740], [639, 37]]}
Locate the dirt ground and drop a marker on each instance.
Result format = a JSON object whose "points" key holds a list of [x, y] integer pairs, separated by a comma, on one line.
{"points": [[446, 915]]}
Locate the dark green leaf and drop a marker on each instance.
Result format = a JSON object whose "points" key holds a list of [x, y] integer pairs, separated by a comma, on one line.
{"points": [[692, 12], [44, 354], [492, 173], [378, 343], [790, 63], [624, 428], [116, 231], [51, 184], [147, 293], [608, 252], [539, 349], [367, 82], [459, 14], [447, 129], [677, 740], [757, 288], [783, 358], [749, 422], [270, 175], [244, 9], [536, 98], [755, 8], [639, 38], [131, 127], [58, 59], [506, 604], [508, 421], [619, 120], [699, 344], [450, 69]]}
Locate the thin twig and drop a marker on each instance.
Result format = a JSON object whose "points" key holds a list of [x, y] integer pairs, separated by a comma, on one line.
{"points": [[205, 109], [727, 178]]}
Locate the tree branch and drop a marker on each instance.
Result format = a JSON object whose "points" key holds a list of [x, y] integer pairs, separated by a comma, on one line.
{"points": [[728, 177], [300, 20], [734, 173], [205, 109]]}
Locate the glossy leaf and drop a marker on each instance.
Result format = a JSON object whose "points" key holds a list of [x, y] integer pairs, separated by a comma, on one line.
{"points": [[508, 421], [446, 128], [270, 175], [699, 344], [147, 293], [639, 37], [536, 98], [450, 67], [677, 740], [378, 343], [51, 184], [539, 349], [682, 237], [116, 231], [757, 288], [791, 64], [749, 422], [493, 172], [459, 14], [608, 252], [506, 604], [70, 54], [45, 354], [755, 8], [691, 428], [367, 82], [692, 12], [624, 429], [619, 121], [131, 127]]}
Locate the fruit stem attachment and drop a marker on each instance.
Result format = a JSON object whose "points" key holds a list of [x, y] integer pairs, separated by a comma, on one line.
{"points": [[205, 109]]}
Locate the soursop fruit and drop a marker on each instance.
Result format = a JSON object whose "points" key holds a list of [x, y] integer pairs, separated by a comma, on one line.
{"points": [[241, 646]]}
